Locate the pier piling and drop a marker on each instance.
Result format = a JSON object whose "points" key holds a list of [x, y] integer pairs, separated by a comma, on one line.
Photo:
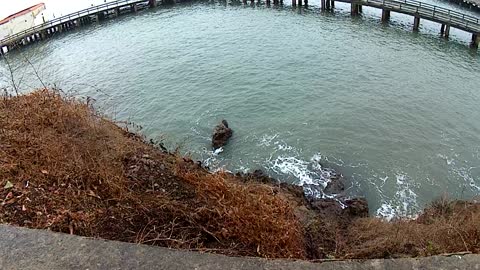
{"points": [[133, 8], [152, 3], [446, 34], [385, 15], [416, 23], [355, 9], [475, 41]]}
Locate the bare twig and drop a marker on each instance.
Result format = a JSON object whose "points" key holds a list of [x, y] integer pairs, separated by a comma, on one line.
{"points": [[36, 72], [12, 76]]}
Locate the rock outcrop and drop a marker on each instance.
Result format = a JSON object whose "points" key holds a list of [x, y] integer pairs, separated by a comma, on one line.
{"points": [[221, 134]]}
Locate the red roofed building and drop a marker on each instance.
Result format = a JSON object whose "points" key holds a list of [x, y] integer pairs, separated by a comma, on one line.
{"points": [[20, 21]]}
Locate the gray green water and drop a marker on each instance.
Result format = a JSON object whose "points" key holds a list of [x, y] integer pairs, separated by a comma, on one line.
{"points": [[396, 112]]}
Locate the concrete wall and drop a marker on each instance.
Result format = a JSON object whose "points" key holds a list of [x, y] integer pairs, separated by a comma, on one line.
{"points": [[25, 249]]}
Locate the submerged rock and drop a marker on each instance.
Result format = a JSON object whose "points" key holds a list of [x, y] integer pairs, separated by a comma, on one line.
{"points": [[221, 134], [335, 186]]}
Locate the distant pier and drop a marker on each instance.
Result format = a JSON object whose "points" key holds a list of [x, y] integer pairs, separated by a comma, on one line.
{"points": [[418, 10], [471, 4], [74, 20]]}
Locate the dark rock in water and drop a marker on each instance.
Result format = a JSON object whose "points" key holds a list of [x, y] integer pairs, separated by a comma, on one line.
{"points": [[221, 134], [357, 207], [335, 186]]}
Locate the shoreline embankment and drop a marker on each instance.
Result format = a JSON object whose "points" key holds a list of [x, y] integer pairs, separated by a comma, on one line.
{"points": [[67, 168]]}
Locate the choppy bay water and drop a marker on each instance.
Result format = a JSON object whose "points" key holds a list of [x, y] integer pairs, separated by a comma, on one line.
{"points": [[396, 112]]}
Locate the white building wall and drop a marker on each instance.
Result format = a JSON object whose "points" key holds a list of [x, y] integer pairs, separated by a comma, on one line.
{"points": [[19, 24]]}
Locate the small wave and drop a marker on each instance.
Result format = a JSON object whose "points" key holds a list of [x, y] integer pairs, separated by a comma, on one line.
{"points": [[460, 169], [212, 161], [404, 202], [266, 140], [300, 169]]}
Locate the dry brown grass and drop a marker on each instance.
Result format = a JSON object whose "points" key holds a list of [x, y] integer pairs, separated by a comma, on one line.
{"points": [[444, 227], [75, 171], [249, 213]]}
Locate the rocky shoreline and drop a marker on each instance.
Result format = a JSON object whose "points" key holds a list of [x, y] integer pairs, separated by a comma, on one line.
{"points": [[66, 168]]}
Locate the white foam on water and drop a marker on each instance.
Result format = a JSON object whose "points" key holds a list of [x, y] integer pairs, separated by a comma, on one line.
{"points": [[283, 147], [266, 140], [459, 169], [404, 202], [465, 174], [448, 160], [212, 160], [295, 167], [217, 151]]}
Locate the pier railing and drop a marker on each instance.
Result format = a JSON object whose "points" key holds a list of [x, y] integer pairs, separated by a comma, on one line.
{"points": [[66, 18], [432, 12]]}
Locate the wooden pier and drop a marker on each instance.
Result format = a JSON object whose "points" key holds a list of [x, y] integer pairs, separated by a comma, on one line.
{"points": [[74, 20], [471, 4], [418, 10]]}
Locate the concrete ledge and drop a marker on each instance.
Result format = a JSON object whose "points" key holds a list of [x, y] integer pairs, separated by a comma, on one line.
{"points": [[22, 248]]}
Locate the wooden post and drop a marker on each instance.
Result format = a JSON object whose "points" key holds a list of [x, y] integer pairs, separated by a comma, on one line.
{"points": [[442, 29], [305, 2], [299, 3], [333, 4], [385, 15], [416, 23], [447, 31], [360, 8], [133, 8], [327, 5], [152, 3], [354, 9], [322, 4], [294, 3], [475, 41]]}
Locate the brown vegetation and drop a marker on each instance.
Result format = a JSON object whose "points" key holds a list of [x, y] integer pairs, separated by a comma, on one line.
{"points": [[66, 168]]}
